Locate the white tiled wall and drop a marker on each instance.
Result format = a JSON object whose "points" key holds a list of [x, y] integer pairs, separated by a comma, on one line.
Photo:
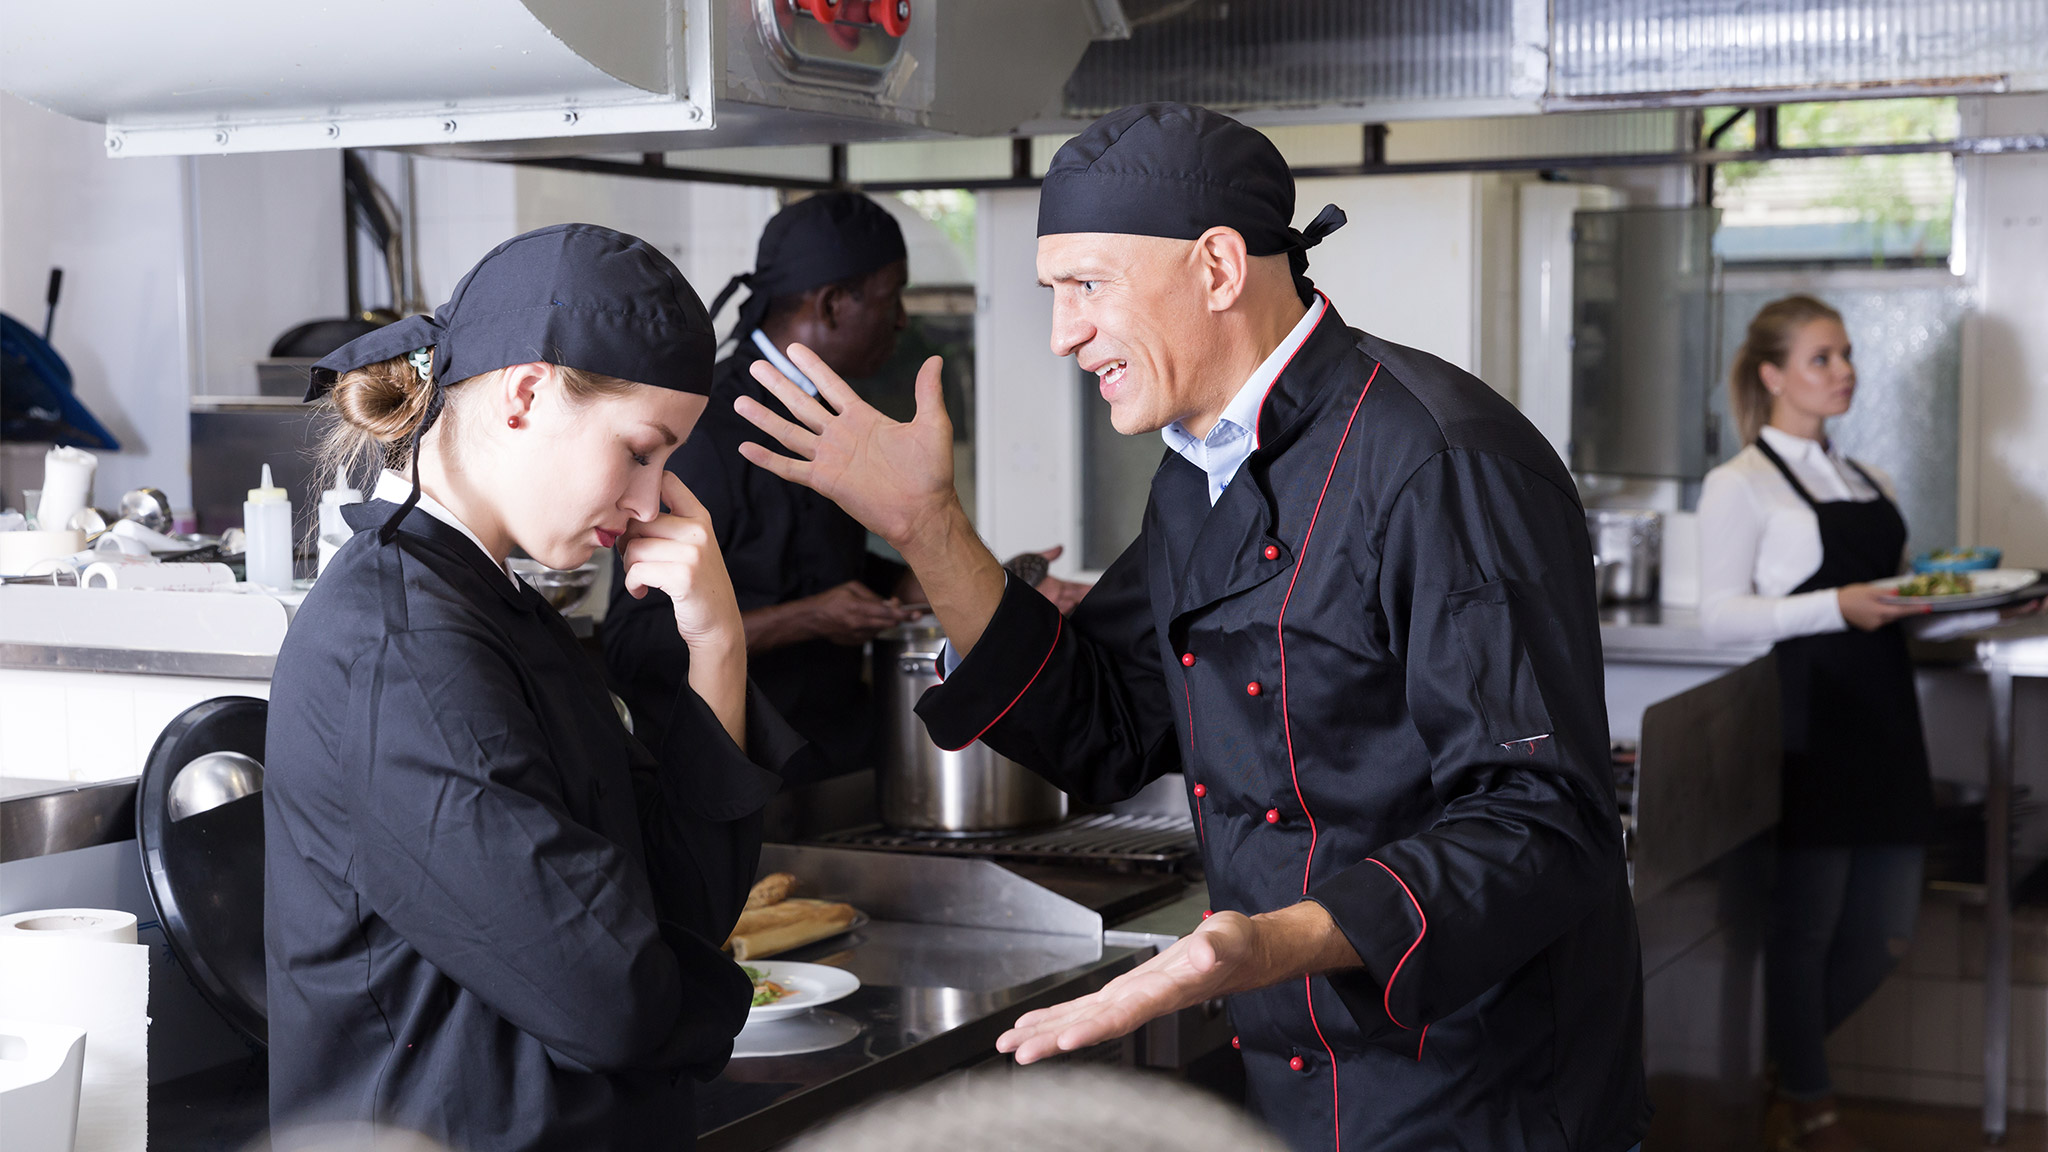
{"points": [[89, 726]]}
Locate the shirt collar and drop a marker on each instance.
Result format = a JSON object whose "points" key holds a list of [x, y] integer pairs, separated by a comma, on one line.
{"points": [[395, 487], [782, 363], [1786, 444], [1236, 434]]}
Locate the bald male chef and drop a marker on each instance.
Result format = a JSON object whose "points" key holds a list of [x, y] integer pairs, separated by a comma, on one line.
{"points": [[1360, 619]]}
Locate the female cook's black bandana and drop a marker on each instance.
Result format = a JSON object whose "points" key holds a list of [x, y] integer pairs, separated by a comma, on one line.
{"points": [[1177, 170], [577, 295], [821, 240]]}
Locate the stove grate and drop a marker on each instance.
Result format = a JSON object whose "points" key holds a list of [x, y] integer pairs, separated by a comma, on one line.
{"points": [[1127, 842]]}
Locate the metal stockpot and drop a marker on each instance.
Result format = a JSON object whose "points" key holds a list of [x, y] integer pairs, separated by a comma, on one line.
{"points": [[927, 790], [1628, 551]]}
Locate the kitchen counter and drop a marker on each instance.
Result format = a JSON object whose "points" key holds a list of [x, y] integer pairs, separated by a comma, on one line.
{"points": [[933, 998], [1661, 634]]}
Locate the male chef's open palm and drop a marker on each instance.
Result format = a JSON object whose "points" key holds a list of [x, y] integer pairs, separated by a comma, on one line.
{"points": [[885, 474], [1214, 960]]}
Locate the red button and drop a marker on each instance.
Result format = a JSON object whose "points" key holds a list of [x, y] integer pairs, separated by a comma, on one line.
{"points": [[1253, 689], [1297, 1063], [1272, 815], [1206, 913], [1187, 659], [1234, 1043], [1201, 790], [1272, 552]]}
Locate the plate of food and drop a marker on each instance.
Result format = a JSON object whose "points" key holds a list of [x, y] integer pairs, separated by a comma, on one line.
{"points": [[785, 987], [775, 921], [1942, 591]]}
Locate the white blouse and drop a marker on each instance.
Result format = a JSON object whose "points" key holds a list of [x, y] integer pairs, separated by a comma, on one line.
{"points": [[1759, 540]]}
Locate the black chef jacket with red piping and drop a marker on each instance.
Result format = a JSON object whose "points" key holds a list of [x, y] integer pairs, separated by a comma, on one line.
{"points": [[491, 916], [1377, 660]]}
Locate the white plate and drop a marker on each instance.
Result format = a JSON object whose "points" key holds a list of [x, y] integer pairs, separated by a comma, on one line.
{"points": [[811, 1032], [809, 986], [1989, 584]]}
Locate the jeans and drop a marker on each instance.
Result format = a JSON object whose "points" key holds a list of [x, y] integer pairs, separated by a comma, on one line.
{"points": [[1840, 921]]}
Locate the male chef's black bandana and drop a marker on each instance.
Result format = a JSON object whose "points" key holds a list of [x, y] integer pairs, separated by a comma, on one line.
{"points": [[1176, 170], [577, 295], [824, 239]]}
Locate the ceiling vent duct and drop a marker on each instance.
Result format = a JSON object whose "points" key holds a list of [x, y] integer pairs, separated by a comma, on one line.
{"points": [[1406, 59], [540, 77]]}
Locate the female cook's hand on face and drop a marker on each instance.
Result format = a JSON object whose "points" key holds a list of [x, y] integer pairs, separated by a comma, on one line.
{"points": [[677, 552], [891, 477]]}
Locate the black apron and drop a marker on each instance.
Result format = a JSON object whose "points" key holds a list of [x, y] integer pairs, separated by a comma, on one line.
{"points": [[1855, 759]]}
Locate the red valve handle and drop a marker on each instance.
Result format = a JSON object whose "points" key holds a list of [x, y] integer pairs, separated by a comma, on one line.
{"points": [[892, 15], [823, 11]]}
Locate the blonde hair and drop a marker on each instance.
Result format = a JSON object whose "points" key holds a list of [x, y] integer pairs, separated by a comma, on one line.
{"points": [[366, 422], [1768, 341]]}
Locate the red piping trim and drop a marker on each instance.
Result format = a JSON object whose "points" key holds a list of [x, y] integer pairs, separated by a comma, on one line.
{"points": [[1259, 417], [1200, 829], [1058, 627], [1387, 1001], [1420, 1043], [1287, 727]]}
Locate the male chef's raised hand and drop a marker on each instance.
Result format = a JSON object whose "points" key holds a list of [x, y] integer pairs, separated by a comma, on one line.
{"points": [[889, 476]]}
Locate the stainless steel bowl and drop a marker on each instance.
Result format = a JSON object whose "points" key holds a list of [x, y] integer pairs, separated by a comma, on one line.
{"points": [[563, 588]]}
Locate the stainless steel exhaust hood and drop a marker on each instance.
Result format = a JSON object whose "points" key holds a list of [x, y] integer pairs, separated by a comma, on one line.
{"points": [[540, 77]]}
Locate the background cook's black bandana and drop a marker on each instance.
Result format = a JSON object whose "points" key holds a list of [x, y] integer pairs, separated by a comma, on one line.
{"points": [[577, 295], [1176, 170], [820, 240]]}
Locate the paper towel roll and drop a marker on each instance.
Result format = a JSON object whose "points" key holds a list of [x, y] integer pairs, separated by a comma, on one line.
{"points": [[19, 550], [67, 977], [67, 485], [90, 925], [161, 577]]}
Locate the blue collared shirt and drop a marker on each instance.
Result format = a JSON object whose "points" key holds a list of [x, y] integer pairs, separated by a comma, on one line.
{"points": [[1223, 451]]}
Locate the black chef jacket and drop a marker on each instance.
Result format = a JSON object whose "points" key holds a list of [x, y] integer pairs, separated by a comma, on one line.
{"points": [[1377, 660], [490, 915], [781, 542]]}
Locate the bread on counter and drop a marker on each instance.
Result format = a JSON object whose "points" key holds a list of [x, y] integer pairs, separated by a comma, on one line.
{"points": [[775, 922]]}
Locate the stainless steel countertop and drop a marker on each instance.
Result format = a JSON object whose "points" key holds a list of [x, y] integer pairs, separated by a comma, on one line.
{"points": [[931, 999], [43, 817], [1657, 634]]}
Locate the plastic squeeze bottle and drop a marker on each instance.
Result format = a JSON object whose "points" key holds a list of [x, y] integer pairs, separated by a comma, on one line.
{"points": [[267, 519], [334, 531]]}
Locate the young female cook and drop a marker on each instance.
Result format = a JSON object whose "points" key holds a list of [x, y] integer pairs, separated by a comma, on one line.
{"points": [[491, 915]]}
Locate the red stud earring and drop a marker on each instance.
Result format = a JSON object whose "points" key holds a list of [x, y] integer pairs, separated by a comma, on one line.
{"points": [[511, 421]]}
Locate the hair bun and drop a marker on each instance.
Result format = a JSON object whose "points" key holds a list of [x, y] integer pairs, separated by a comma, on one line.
{"points": [[386, 400]]}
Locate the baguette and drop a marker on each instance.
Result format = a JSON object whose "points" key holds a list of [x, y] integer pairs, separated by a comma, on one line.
{"points": [[763, 932], [773, 888]]}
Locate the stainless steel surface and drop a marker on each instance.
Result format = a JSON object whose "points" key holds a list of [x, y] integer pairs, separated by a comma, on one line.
{"points": [[148, 507], [1628, 553], [563, 588], [43, 817], [924, 788], [1642, 347], [211, 781], [1660, 634], [59, 658], [931, 890], [230, 446], [1707, 775]]}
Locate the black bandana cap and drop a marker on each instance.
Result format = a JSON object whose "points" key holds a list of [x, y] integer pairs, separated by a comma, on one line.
{"points": [[824, 239], [577, 295], [1176, 170]]}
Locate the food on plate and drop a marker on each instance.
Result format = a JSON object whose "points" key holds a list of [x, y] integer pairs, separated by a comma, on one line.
{"points": [[775, 922], [1936, 584], [766, 991], [773, 888]]}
